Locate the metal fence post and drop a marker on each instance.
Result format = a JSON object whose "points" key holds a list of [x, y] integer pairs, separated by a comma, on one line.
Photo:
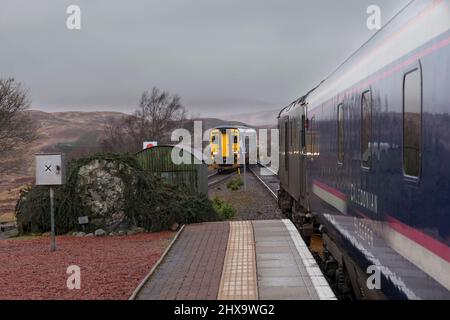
{"points": [[52, 219]]}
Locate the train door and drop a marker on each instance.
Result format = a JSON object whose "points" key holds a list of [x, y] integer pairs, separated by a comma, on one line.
{"points": [[284, 150], [287, 155], [224, 144], [303, 126], [294, 159]]}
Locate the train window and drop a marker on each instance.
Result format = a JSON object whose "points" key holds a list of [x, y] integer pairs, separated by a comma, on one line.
{"points": [[366, 129], [213, 140], [412, 123], [312, 137], [303, 137], [235, 139], [340, 133]]}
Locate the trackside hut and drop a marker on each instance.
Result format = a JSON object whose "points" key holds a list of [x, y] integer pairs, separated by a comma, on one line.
{"points": [[193, 174]]}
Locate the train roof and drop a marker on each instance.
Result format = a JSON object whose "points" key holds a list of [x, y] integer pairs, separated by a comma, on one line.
{"points": [[232, 127], [406, 31]]}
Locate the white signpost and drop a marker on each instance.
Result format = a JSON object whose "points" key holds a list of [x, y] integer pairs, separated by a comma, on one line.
{"points": [[50, 172], [83, 221]]}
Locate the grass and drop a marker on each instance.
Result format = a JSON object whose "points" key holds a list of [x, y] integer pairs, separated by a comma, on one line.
{"points": [[223, 209], [235, 184]]}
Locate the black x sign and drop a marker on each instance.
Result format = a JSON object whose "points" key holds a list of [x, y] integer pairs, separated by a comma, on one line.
{"points": [[48, 168]]}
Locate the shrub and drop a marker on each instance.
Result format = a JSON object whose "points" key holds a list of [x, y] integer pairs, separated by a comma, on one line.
{"points": [[223, 209], [149, 202], [158, 205], [235, 184]]}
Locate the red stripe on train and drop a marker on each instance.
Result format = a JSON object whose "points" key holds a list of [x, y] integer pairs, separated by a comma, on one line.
{"points": [[331, 190], [440, 249], [433, 245]]}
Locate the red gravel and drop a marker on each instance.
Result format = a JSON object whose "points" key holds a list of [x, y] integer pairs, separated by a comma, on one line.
{"points": [[111, 267]]}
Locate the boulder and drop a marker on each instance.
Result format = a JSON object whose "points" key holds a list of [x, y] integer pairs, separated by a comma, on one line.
{"points": [[174, 226], [139, 230], [80, 234], [89, 235], [101, 185], [100, 233]]}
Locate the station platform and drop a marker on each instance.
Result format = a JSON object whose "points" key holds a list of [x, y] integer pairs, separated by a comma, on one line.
{"points": [[242, 260]]}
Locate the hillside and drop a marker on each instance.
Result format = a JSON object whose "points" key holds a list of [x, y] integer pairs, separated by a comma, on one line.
{"points": [[209, 123], [266, 118], [57, 130], [53, 129]]}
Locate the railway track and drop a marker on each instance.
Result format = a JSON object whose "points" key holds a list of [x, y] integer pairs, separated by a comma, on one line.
{"points": [[216, 178], [267, 177]]}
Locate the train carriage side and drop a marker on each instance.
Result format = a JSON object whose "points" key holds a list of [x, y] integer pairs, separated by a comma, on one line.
{"points": [[291, 125], [377, 154]]}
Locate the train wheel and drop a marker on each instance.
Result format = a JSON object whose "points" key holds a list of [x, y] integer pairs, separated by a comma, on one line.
{"points": [[285, 203]]}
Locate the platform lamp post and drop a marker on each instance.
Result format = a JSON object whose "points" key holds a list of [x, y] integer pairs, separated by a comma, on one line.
{"points": [[50, 172]]}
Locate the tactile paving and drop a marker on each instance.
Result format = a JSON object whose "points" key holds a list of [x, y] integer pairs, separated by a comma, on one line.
{"points": [[238, 280]]}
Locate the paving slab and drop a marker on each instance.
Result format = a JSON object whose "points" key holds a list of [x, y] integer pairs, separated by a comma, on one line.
{"points": [[288, 283], [239, 260], [286, 269], [239, 271], [193, 267]]}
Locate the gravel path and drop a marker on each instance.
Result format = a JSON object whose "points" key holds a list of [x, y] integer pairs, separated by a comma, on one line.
{"points": [[254, 204], [111, 267]]}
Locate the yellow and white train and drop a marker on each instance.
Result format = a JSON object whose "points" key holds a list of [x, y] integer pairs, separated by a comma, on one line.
{"points": [[229, 146]]}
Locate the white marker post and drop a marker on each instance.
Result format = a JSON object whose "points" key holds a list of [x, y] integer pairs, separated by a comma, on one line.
{"points": [[49, 172]]}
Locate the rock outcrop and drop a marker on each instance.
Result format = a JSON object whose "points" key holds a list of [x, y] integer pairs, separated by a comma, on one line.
{"points": [[101, 186]]}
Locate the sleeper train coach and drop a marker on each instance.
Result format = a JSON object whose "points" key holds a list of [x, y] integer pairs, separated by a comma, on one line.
{"points": [[365, 161]]}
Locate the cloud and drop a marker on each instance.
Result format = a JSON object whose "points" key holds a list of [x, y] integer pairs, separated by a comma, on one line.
{"points": [[220, 56]]}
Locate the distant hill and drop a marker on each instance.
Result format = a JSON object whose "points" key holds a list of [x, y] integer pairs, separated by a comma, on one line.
{"points": [[58, 130], [209, 123], [266, 118], [63, 127], [53, 129]]}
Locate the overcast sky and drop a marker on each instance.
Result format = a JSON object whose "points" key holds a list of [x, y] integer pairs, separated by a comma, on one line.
{"points": [[220, 56]]}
